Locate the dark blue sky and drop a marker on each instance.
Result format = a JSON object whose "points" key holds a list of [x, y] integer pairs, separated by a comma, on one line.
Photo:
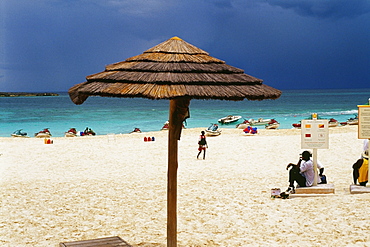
{"points": [[50, 45]]}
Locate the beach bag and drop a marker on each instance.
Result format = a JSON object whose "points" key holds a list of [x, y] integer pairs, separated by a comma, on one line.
{"points": [[202, 140]]}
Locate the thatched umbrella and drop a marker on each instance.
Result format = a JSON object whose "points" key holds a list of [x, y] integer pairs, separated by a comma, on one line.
{"points": [[178, 71]]}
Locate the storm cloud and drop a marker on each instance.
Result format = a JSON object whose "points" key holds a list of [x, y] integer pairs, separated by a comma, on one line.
{"points": [[51, 45], [325, 9]]}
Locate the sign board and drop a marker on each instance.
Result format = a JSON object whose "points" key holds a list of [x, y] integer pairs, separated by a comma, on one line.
{"points": [[315, 134], [363, 122]]}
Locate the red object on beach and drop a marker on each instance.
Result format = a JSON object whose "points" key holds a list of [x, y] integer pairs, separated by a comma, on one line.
{"points": [[145, 139], [48, 141], [149, 139]]}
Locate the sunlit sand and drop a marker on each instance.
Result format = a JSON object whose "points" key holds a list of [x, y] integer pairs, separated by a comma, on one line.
{"points": [[91, 187]]}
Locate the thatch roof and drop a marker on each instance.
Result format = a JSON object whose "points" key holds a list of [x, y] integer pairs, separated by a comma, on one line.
{"points": [[173, 69]]}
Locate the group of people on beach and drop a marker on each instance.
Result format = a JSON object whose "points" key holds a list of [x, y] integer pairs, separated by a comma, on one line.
{"points": [[303, 173]]}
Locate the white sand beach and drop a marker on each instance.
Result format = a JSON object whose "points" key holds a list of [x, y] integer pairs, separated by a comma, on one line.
{"points": [[91, 187]]}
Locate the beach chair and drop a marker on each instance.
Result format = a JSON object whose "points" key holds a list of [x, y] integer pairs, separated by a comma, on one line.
{"points": [[99, 242]]}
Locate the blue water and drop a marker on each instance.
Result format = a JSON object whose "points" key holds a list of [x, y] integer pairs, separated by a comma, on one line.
{"points": [[119, 115]]}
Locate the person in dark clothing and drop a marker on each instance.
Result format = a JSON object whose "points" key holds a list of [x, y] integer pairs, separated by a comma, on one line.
{"points": [[202, 142], [360, 170], [302, 173]]}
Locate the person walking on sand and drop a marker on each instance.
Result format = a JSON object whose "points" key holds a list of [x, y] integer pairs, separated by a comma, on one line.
{"points": [[202, 142]]}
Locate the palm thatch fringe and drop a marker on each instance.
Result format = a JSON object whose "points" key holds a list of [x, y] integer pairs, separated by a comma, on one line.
{"points": [[155, 91], [173, 69]]}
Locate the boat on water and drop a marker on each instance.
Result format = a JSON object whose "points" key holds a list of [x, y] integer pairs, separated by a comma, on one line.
{"points": [[72, 132], [297, 125], [166, 125], [333, 122], [45, 133], [243, 125], [229, 119], [213, 130], [19, 133], [273, 124], [259, 121], [353, 121], [136, 130], [88, 132]]}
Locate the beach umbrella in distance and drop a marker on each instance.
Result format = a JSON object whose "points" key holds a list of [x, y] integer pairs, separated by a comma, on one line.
{"points": [[177, 71]]}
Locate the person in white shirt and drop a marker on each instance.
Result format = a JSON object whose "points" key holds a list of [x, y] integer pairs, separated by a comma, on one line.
{"points": [[302, 173]]}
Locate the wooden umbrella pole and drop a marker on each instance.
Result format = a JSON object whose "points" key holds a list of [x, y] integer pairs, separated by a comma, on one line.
{"points": [[172, 179], [178, 109]]}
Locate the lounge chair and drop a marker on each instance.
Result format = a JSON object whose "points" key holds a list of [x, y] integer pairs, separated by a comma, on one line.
{"points": [[99, 242]]}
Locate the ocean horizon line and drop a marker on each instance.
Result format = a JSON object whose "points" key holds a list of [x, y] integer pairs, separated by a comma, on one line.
{"points": [[112, 115]]}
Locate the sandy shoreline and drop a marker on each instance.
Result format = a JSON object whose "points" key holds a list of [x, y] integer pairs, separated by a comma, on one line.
{"points": [[91, 187]]}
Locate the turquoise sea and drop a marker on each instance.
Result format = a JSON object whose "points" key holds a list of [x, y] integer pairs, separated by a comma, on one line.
{"points": [[120, 115]]}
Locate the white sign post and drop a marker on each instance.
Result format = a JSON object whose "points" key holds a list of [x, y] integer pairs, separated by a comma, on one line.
{"points": [[315, 135], [364, 124]]}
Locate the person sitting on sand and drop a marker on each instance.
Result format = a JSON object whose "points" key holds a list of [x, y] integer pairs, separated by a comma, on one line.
{"points": [[202, 145], [302, 172], [360, 169]]}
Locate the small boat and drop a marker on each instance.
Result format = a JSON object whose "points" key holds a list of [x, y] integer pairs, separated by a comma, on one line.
{"points": [[243, 125], [88, 132], [45, 133], [72, 132], [353, 121], [229, 119], [19, 133], [166, 125], [259, 121], [136, 130], [333, 122], [213, 130], [273, 124]]}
